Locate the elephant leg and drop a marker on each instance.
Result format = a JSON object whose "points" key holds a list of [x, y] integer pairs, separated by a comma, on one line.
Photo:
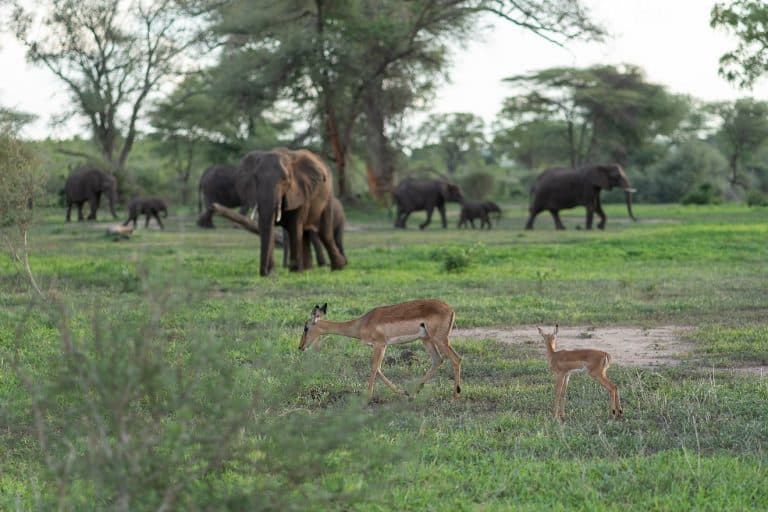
{"points": [[94, 204], [128, 221], [405, 219], [286, 248], [556, 216], [306, 248], [472, 223], [157, 218], [441, 209], [531, 218], [80, 212], [206, 219], [338, 237], [319, 249], [69, 211], [429, 218], [296, 237], [590, 216], [600, 213], [338, 260]]}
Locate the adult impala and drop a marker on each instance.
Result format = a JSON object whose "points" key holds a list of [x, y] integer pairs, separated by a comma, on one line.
{"points": [[563, 362], [430, 321]]}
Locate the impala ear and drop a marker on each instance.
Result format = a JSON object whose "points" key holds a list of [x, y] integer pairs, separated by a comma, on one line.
{"points": [[324, 309], [540, 331], [556, 328]]}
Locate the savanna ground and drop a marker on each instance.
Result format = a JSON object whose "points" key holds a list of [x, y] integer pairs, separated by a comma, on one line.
{"points": [[696, 429]]}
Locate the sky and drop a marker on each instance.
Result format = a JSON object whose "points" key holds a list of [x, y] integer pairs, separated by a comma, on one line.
{"points": [[670, 39]]}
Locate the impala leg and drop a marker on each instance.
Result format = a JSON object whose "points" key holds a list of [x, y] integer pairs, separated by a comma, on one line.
{"points": [[563, 392], [436, 362], [391, 384], [455, 358], [558, 388], [378, 357], [613, 392]]}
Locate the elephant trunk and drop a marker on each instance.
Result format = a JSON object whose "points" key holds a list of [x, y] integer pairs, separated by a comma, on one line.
{"points": [[628, 197], [267, 233], [111, 197]]}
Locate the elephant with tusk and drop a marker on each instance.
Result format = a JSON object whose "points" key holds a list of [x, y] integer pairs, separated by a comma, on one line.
{"points": [[559, 189], [292, 189]]}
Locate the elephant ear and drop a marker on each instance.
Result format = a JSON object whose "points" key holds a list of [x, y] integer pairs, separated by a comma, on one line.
{"points": [[296, 194], [309, 174], [598, 176]]}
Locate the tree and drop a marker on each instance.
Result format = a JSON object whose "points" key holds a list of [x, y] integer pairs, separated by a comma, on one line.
{"points": [[110, 55], [454, 137], [338, 58], [606, 112], [743, 130], [748, 21], [20, 183], [12, 120]]}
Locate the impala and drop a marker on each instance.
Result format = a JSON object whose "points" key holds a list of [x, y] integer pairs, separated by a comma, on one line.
{"points": [[430, 321], [563, 362]]}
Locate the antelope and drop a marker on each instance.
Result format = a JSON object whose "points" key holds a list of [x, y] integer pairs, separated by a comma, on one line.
{"points": [[430, 321], [563, 362]]}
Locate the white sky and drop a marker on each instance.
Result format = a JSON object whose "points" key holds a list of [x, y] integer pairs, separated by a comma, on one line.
{"points": [[670, 39]]}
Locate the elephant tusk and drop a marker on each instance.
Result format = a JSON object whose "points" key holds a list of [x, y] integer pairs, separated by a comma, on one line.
{"points": [[630, 190], [253, 214], [279, 215]]}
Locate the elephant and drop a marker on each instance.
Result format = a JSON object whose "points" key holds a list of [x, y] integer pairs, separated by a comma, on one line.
{"points": [[491, 207], [292, 189], [424, 194], [150, 206], [339, 220], [561, 188], [471, 211], [88, 184], [218, 184]]}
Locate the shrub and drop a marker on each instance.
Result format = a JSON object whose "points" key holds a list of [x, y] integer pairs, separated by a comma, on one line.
{"points": [[756, 197], [703, 194], [137, 412], [477, 185]]}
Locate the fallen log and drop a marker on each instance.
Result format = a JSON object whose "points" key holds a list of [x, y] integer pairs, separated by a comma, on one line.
{"points": [[243, 221]]}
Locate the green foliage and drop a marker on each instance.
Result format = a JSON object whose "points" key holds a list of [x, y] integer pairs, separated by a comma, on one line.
{"points": [[478, 185], [20, 182], [748, 21], [757, 198], [743, 131], [705, 193], [197, 352]]}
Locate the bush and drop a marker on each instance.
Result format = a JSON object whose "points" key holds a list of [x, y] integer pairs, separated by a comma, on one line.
{"points": [[477, 185], [757, 198], [704, 194], [139, 411]]}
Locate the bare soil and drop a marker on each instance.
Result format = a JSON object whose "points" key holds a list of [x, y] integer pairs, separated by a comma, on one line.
{"points": [[628, 346]]}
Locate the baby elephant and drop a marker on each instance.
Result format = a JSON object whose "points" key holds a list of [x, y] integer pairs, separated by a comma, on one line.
{"points": [[146, 206], [471, 211]]}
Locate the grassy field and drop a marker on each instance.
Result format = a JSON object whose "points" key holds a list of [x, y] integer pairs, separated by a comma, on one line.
{"points": [[695, 436]]}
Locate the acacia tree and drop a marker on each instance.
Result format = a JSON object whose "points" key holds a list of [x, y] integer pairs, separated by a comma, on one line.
{"points": [[454, 137], [748, 21], [743, 130], [604, 111], [340, 58], [110, 55]]}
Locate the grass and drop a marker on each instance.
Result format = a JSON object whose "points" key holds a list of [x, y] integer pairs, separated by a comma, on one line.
{"points": [[695, 436]]}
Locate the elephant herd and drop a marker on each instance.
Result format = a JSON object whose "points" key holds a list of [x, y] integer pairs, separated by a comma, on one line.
{"points": [[554, 190], [293, 189]]}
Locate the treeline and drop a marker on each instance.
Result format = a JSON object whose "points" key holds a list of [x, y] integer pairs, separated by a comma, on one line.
{"points": [[192, 83]]}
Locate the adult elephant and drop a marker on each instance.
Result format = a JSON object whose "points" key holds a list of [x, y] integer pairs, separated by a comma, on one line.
{"points": [[88, 184], [292, 189], [558, 189], [415, 194], [339, 221], [218, 184]]}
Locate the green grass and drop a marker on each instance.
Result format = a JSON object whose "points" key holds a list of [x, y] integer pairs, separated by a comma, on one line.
{"points": [[695, 436]]}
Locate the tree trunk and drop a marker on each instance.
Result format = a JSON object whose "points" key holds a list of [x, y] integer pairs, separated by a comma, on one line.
{"points": [[381, 168]]}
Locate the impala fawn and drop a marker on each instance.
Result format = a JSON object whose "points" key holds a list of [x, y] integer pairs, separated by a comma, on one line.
{"points": [[563, 362]]}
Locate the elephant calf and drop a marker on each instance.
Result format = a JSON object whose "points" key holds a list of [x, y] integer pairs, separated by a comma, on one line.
{"points": [[471, 211], [146, 206]]}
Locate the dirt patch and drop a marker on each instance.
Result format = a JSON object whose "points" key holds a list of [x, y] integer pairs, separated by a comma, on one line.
{"points": [[628, 346]]}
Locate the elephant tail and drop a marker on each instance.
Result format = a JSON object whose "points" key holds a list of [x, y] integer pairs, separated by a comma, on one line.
{"points": [[199, 199]]}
